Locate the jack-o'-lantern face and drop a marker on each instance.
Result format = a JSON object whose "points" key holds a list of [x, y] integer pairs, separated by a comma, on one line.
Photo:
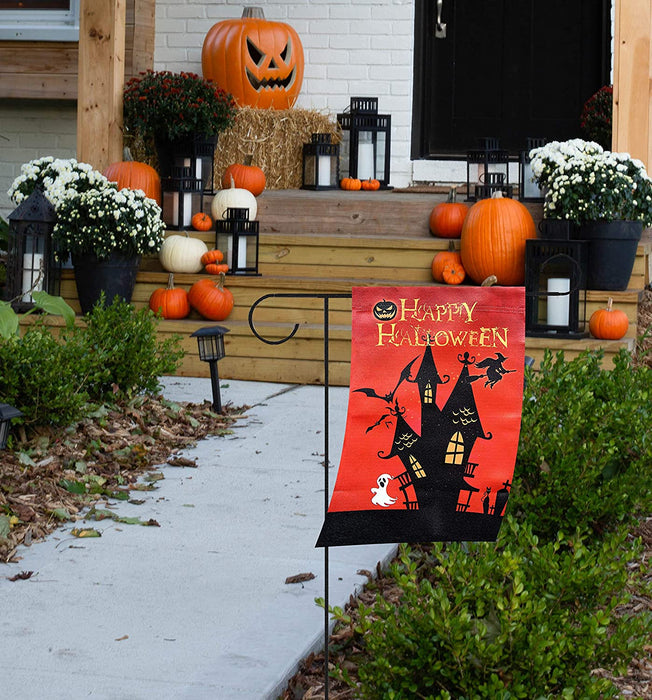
{"points": [[385, 310], [258, 61]]}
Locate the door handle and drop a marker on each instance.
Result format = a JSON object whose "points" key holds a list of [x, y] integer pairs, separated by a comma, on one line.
{"points": [[440, 28]]}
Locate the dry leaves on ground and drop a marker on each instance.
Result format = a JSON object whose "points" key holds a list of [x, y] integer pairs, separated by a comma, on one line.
{"points": [[52, 476]]}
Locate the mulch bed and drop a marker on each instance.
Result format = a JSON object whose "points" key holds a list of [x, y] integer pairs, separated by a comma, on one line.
{"points": [[52, 475]]}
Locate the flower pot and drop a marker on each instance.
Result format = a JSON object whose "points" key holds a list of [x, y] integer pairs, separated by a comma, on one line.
{"points": [[612, 251], [115, 276]]}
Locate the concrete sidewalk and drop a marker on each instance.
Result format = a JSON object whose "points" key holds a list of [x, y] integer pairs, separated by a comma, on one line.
{"points": [[196, 609]]}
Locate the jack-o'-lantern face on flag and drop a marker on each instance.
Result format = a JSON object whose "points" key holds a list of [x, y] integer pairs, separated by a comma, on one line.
{"points": [[434, 415]]}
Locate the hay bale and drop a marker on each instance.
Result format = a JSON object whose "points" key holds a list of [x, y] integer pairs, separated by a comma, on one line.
{"points": [[275, 139]]}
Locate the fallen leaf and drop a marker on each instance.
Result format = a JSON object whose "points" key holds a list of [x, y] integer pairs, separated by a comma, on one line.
{"points": [[299, 578], [121, 639], [22, 576], [85, 532]]}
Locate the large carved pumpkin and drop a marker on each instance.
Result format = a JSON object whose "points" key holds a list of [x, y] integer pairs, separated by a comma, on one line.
{"points": [[258, 61]]}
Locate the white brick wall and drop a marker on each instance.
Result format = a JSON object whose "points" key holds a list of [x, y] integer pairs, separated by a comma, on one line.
{"points": [[351, 48]]}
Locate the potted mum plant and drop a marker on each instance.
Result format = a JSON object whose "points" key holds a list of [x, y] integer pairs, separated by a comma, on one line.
{"points": [[103, 230], [608, 198], [181, 112]]}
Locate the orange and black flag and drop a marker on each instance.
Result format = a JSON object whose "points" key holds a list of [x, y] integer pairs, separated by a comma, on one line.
{"points": [[434, 415]]}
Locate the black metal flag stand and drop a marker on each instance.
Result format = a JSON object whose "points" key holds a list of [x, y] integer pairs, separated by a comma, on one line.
{"points": [[326, 298]]}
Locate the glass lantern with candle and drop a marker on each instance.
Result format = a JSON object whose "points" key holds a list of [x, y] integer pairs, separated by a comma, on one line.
{"points": [[555, 288], [487, 170], [30, 256], [321, 166], [237, 237], [366, 142]]}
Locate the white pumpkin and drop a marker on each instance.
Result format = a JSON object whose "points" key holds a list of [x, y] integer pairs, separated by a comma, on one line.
{"points": [[181, 253], [233, 198]]}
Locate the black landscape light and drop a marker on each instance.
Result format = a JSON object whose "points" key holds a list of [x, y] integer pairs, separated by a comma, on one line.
{"points": [[210, 341], [7, 414]]}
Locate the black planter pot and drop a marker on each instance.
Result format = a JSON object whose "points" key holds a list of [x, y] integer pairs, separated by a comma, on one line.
{"points": [[612, 251], [115, 276]]}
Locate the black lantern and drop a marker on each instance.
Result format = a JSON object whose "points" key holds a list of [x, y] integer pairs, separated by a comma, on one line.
{"points": [[237, 237], [321, 164], [365, 147], [192, 157], [182, 197], [210, 342], [487, 170], [529, 191], [555, 288], [7, 414], [30, 256]]}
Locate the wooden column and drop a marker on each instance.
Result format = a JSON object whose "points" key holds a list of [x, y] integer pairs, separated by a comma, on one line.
{"points": [[632, 114], [100, 82]]}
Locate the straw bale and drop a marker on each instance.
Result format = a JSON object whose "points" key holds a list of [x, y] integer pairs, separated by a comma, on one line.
{"points": [[275, 140]]}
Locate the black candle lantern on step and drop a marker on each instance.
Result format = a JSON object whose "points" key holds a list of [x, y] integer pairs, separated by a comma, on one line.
{"points": [[491, 164], [30, 255], [182, 194], [529, 191], [321, 165], [555, 288], [365, 148], [237, 237]]}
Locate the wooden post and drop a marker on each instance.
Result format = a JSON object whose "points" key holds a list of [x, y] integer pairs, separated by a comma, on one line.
{"points": [[101, 82], [632, 105]]}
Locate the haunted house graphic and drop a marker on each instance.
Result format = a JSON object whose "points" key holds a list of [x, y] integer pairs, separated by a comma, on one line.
{"points": [[429, 454]]}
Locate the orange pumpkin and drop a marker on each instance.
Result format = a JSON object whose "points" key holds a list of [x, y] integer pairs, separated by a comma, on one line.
{"points": [[493, 240], [212, 256], [609, 323], [211, 299], [170, 301], [246, 176], [350, 183], [453, 273], [447, 218], [260, 62], [370, 185], [134, 175], [201, 221], [443, 258]]}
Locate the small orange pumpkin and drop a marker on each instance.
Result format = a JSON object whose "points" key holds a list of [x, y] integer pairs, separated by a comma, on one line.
{"points": [[453, 273], [443, 258], [212, 256], [371, 185], [245, 176], [211, 299], [350, 183], [134, 175], [216, 268], [201, 221], [447, 218], [171, 302], [609, 323]]}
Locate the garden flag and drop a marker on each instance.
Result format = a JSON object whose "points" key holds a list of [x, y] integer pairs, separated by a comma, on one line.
{"points": [[434, 415]]}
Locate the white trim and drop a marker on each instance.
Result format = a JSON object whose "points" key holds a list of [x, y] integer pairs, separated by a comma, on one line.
{"points": [[41, 25]]}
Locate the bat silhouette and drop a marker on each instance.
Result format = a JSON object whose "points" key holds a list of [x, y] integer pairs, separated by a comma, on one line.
{"points": [[405, 374]]}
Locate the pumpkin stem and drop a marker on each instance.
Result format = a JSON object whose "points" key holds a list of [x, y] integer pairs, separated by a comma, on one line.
{"points": [[126, 154], [255, 12], [489, 281], [171, 281], [498, 194], [220, 281], [452, 194], [610, 302], [232, 183], [248, 159], [451, 246]]}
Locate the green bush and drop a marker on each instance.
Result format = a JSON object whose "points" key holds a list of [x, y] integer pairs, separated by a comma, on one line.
{"points": [[40, 377], [122, 354], [515, 619], [586, 445]]}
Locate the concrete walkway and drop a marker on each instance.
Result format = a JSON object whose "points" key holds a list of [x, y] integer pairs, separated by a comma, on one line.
{"points": [[196, 609]]}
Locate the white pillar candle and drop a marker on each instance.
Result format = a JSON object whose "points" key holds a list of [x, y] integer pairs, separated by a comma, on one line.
{"points": [[323, 170], [198, 169], [242, 252], [187, 209], [558, 306], [32, 266], [365, 160]]}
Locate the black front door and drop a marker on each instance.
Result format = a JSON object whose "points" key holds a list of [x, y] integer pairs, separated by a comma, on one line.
{"points": [[509, 69]]}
